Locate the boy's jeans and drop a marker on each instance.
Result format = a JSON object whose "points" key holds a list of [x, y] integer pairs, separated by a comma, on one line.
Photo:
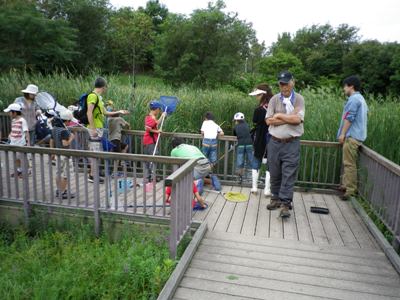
{"points": [[210, 149], [244, 154]]}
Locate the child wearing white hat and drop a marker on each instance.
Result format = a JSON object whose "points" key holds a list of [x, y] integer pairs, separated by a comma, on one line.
{"points": [[244, 153], [19, 135]]}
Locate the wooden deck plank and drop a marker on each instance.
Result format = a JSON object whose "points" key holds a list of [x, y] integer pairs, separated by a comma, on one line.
{"points": [[250, 219], [290, 231], [216, 209], [288, 278], [297, 261], [360, 232], [263, 218], [266, 265], [344, 229], [302, 224], [318, 256], [317, 229], [328, 224], [236, 224], [225, 216], [191, 293], [277, 285], [245, 292], [312, 247]]}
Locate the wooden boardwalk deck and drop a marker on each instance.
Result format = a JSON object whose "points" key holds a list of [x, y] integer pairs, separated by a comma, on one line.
{"points": [[251, 253]]}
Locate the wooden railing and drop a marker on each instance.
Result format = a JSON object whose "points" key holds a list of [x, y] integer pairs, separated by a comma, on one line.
{"points": [[379, 185], [124, 190], [320, 161], [320, 167]]}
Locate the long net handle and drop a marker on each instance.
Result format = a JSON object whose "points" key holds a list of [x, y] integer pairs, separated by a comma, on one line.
{"points": [[158, 137]]}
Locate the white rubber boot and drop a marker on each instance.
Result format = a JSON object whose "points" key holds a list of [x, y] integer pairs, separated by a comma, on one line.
{"points": [[267, 188], [254, 177]]}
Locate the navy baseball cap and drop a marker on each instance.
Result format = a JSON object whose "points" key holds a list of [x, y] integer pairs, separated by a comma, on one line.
{"points": [[155, 105], [285, 77]]}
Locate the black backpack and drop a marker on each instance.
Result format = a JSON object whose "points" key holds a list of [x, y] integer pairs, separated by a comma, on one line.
{"points": [[81, 113], [42, 130]]}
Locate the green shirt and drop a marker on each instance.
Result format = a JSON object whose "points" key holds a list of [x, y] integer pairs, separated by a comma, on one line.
{"points": [[98, 112], [187, 151]]}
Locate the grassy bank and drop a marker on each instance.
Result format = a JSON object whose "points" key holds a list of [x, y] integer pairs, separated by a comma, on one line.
{"points": [[70, 263], [323, 105]]}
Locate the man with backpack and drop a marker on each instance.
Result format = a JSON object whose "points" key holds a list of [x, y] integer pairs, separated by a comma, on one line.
{"points": [[95, 114]]}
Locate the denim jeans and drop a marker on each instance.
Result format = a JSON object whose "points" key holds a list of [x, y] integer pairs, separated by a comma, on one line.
{"points": [[209, 149], [244, 156]]}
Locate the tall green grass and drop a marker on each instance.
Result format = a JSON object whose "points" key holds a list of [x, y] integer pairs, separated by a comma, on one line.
{"points": [[70, 263], [323, 105]]}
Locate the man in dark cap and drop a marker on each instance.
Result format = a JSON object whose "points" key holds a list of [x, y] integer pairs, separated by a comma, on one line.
{"points": [[285, 117]]}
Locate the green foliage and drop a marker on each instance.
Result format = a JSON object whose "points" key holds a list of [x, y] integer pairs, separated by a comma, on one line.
{"points": [[130, 38], [89, 18], [157, 12], [70, 263], [30, 40], [378, 222], [323, 105], [376, 64], [208, 48], [270, 66], [330, 54]]}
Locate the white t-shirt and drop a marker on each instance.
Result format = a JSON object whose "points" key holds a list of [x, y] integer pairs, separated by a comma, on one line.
{"points": [[18, 129], [210, 129]]}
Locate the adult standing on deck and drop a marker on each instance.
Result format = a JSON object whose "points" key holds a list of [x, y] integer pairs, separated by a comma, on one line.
{"points": [[263, 94], [352, 132], [30, 109], [96, 114], [285, 118]]}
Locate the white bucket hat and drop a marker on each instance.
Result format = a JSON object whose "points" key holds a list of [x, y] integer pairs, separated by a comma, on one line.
{"points": [[31, 89], [257, 92], [238, 116], [66, 115], [13, 107]]}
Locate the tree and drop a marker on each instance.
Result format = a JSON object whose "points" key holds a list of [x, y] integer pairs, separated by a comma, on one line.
{"points": [[270, 66], [320, 48], [157, 12], [208, 48], [30, 40], [375, 63], [90, 19], [130, 36]]}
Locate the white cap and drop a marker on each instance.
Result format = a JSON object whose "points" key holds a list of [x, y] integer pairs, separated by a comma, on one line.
{"points": [[257, 92], [31, 89], [66, 115], [238, 116], [13, 107]]}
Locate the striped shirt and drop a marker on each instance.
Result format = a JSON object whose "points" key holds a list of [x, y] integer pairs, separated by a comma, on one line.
{"points": [[29, 110], [17, 136]]}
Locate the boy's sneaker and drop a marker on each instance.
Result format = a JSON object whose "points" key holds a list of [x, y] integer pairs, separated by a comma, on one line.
{"points": [[64, 195], [18, 174], [91, 179]]}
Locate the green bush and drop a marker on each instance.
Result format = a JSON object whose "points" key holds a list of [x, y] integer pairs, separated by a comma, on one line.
{"points": [[73, 264]]}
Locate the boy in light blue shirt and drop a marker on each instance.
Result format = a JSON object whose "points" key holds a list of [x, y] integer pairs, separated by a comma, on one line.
{"points": [[352, 132]]}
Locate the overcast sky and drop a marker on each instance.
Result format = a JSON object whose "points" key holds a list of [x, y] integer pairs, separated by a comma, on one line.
{"points": [[377, 19]]}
